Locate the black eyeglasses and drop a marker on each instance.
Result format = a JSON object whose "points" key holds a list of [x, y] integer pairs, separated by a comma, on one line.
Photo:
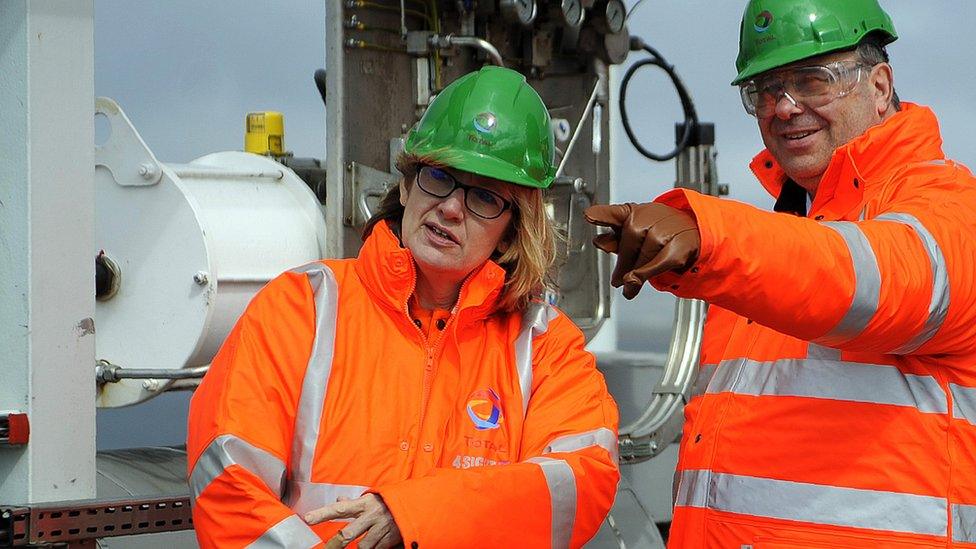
{"points": [[481, 202]]}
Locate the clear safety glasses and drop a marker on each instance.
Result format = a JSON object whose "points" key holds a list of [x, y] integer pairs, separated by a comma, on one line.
{"points": [[814, 86], [481, 202]]}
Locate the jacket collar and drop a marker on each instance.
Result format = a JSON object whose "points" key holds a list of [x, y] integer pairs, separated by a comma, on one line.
{"points": [[910, 135], [388, 271]]}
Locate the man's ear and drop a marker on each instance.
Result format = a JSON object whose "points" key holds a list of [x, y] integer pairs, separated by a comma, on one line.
{"points": [[882, 82]]}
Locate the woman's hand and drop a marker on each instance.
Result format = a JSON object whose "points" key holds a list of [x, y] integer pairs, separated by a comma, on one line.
{"points": [[370, 516]]}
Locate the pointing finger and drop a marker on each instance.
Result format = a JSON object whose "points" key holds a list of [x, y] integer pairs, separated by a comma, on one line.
{"points": [[608, 215]]}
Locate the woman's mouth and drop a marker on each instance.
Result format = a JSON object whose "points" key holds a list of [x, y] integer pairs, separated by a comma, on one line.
{"points": [[440, 235]]}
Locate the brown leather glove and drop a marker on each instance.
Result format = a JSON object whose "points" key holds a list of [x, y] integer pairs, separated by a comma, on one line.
{"points": [[649, 239]]}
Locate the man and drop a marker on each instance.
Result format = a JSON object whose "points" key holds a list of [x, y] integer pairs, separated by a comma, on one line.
{"points": [[836, 405]]}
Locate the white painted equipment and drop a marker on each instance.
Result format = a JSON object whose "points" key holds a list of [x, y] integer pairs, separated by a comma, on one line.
{"points": [[189, 246]]}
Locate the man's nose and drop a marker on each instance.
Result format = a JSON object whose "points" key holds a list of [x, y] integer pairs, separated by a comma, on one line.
{"points": [[786, 106]]}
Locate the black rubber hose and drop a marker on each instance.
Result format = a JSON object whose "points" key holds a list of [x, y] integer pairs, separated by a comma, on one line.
{"points": [[691, 117]]}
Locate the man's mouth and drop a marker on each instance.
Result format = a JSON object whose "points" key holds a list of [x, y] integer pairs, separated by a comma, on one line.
{"points": [[795, 136]]}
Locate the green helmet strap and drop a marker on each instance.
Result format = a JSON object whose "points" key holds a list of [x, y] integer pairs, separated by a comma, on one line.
{"points": [[492, 123], [779, 32]]}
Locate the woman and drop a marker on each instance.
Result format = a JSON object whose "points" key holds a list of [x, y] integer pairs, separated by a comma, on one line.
{"points": [[420, 393]]}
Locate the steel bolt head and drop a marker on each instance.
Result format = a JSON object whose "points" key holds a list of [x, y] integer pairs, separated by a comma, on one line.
{"points": [[151, 385], [148, 171], [201, 278]]}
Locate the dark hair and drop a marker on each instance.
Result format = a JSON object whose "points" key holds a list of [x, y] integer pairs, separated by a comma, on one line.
{"points": [[871, 50]]}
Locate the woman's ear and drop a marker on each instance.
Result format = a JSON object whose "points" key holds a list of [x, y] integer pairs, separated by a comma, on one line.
{"points": [[403, 192], [508, 237]]}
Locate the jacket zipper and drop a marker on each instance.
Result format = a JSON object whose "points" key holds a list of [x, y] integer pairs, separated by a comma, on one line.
{"points": [[432, 352]]}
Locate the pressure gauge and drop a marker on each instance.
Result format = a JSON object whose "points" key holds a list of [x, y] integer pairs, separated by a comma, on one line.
{"points": [[616, 15], [519, 11], [572, 11]]}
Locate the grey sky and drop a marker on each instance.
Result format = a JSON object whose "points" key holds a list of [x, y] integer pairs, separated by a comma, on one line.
{"points": [[187, 71]]}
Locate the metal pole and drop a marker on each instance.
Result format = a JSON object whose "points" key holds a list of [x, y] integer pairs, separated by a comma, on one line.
{"points": [[336, 180], [47, 247], [579, 126]]}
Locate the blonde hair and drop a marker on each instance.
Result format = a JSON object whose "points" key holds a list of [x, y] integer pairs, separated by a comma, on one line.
{"points": [[531, 239]]}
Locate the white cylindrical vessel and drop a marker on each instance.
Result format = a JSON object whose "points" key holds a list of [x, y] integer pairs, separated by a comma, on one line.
{"points": [[192, 244]]}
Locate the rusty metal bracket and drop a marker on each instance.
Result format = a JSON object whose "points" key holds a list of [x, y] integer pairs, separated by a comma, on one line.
{"points": [[75, 521]]}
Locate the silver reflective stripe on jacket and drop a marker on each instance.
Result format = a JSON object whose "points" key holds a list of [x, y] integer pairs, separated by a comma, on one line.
{"points": [[308, 496], [834, 380], [291, 532], [939, 302], [867, 285], [562, 496], [963, 402], [964, 523], [602, 437], [535, 322], [820, 352], [227, 450], [309, 414], [814, 503], [705, 373]]}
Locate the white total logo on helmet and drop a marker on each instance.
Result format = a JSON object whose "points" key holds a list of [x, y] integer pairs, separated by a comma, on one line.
{"points": [[485, 122]]}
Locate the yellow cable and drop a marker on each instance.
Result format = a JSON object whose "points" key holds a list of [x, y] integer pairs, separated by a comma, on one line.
{"points": [[363, 45], [366, 28]]}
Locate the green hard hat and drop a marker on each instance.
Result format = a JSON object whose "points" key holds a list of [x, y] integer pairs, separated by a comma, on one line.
{"points": [[779, 32], [492, 123]]}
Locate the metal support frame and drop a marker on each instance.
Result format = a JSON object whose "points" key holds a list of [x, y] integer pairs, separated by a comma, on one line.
{"points": [[365, 89], [47, 214], [335, 158]]}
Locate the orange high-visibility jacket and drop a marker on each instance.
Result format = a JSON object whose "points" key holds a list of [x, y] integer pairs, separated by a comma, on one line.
{"points": [[836, 405], [498, 433]]}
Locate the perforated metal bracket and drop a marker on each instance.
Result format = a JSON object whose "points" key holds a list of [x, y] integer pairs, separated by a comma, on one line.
{"points": [[74, 521], [14, 428]]}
